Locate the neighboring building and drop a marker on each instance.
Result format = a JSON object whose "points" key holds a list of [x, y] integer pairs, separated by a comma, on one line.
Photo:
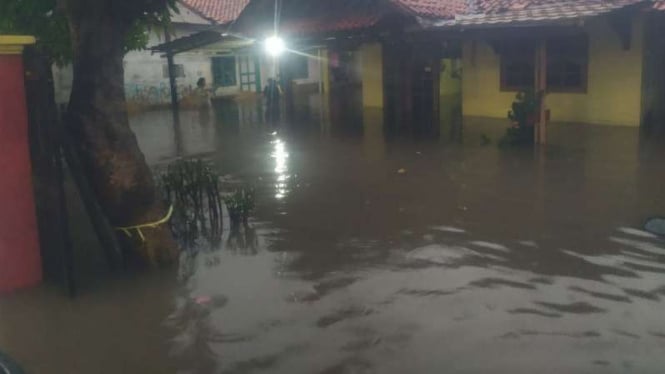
{"points": [[146, 74], [252, 67], [603, 61], [596, 54], [226, 72]]}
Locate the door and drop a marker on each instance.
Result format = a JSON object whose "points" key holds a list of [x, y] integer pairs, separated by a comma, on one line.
{"points": [[249, 74], [425, 73]]}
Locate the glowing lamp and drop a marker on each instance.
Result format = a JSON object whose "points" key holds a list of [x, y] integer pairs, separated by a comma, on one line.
{"points": [[274, 46]]}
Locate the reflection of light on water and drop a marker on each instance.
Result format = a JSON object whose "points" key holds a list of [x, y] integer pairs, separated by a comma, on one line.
{"points": [[281, 168]]}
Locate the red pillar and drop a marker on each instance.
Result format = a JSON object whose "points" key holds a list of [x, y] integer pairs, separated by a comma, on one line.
{"points": [[20, 263]]}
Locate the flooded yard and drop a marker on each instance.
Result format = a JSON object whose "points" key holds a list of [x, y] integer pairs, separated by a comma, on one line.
{"points": [[370, 253]]}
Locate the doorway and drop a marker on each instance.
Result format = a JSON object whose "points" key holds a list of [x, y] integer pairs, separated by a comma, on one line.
{"points": [[411, 88], [417, 77], [250, 76]]}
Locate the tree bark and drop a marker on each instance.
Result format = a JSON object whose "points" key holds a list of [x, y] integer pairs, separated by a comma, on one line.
{"points": [[98, 122]]}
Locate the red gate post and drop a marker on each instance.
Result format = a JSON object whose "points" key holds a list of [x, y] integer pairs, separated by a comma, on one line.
{"points": [[20, 262]]}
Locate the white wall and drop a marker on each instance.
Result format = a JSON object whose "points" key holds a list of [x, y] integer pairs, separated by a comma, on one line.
{"points": [[269, 70], [313, 67], [145, 81]]}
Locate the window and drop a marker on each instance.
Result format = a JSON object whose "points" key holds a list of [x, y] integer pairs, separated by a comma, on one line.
{"points": [[179, 71], [517, 66], [300, 67], [224, 71], [567, 64]]}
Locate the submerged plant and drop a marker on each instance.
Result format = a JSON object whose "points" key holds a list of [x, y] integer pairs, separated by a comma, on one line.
{"points": [[239, 205], [193, 189], [525, 108], [523, 115]]}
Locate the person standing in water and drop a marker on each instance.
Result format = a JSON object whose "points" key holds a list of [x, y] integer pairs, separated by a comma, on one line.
{"points": [[202, 94], [272, 94]]}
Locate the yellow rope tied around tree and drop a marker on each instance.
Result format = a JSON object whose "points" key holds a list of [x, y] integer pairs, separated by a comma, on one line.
{"points": [[150, 225]]}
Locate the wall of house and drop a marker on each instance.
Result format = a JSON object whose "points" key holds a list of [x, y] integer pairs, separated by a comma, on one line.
{"points": [[653, 98], [325, 72], [313, 68], [268, 69], [146, 76], [316, 69], [450, 82], [371, 68], [614, 89], [145, 81]]}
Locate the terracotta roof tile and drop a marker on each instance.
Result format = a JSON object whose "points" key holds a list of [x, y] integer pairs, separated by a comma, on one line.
{"points": [[434, 8], [491, 12], [323, 25], [220, 11], [325, 16]]}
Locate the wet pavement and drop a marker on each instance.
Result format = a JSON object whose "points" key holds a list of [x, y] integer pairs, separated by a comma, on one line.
{"points": [[371, 253]]}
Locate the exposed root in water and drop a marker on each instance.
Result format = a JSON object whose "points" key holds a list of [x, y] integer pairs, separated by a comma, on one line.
{"points": [[193, 189]]}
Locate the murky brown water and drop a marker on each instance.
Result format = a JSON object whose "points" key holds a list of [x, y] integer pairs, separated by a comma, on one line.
{"points": [[369, 255]]}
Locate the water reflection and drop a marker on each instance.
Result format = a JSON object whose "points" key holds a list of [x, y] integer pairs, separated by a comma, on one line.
{"points": [[281, 156], [243, 240], [366, 269]]}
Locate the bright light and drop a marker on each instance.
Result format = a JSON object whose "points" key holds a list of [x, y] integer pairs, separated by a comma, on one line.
{"points": [[281, 157], [274, 46]]}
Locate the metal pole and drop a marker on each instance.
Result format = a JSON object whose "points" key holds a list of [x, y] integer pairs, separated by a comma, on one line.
{"points": [[175, 108], [541, 89], [320, 56]]}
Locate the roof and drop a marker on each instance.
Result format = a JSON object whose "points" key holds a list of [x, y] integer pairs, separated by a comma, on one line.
{"points": [[219, 11], [327, 16], [434, 8], [186, 15], [331, 24], [502, 12], [660, 5], [208, 40]]}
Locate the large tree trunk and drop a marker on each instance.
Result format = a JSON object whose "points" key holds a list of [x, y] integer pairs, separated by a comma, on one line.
{"points": [[99, 125]]}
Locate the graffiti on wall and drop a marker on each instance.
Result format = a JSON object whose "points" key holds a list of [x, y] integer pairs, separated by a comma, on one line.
{"points": [[147, 94]]}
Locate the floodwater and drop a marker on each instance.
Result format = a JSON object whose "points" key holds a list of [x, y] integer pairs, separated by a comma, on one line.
{"points": [[379, 252]]}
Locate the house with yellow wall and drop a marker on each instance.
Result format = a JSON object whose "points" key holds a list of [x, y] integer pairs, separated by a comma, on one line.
{"points": [[596, 63], [602, 58]]}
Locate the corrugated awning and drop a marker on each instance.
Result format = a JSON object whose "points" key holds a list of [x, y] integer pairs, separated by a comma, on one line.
{"points": [[209, 40]]}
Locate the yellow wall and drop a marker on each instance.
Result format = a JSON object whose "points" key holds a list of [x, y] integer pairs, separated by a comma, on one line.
{"points": [[449, 84], [614, 81], [325, 69], [13, 44], [371, 58]]}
